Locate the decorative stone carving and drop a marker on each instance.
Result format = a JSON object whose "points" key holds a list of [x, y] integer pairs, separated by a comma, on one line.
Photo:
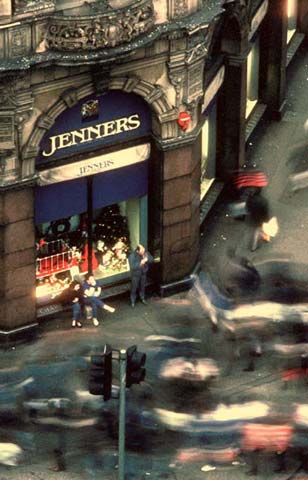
{"points": [[239, 10], [7, 138], [176, 76], [70, 97], [198, 51], [177, 8], [200, 45], [194, 87], [27, 6], [20, 41], [8, 164], [102, 30], [7, 92], [176, 66]]}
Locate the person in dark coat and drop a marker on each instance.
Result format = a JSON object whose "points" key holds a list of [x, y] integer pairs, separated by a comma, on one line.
{"points": [[259, 212], [74, 296], [139, 261]]}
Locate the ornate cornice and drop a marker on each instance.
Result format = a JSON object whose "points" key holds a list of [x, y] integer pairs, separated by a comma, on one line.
{"points": [[94, 55], [103, 30]]}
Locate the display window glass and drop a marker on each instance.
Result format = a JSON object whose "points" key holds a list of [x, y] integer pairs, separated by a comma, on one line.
{"points": [[253, 62], [208, 151], [292, 19], [99, 242], [116, 230]]}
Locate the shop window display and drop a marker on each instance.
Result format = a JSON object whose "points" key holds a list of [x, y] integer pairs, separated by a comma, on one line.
{"points": [[112, 241], [63, 246]]}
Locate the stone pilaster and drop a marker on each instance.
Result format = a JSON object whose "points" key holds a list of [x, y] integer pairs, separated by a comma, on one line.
{"points": [[180, 212], [231, 116], [303, 18], [273, 59], [17, 292]]}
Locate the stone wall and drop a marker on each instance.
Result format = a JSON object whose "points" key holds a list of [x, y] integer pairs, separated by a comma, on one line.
{"points": [[17, 294]]}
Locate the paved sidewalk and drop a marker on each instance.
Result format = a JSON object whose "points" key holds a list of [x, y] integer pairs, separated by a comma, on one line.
{"points": [[278, 148]]}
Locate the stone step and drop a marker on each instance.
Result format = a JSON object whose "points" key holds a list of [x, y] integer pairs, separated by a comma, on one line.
{"points": [[295, 43], [254, 119], [210, 198]]}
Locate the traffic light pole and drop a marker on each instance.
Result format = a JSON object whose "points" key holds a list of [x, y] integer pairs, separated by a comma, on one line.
{"points": [[122, 414]]}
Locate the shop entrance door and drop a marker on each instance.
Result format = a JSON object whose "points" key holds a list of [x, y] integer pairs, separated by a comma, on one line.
{"points": [[89, 224]]}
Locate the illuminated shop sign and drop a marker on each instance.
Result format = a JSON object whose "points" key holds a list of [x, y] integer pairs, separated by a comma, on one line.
{"points": [[102, 163], [96, 121], [89, 134]]}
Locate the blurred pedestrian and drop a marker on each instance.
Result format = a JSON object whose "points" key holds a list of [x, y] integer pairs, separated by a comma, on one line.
{"points": [[139, 261], [92, 292], [240, 277], [260, 438], [264, 224]]}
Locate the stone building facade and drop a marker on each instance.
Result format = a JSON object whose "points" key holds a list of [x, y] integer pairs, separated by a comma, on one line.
{"points": [[119, 123]]}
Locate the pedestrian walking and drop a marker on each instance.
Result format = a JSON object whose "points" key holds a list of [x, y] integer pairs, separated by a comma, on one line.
{"points": [[92, 292], [139, 261], [240, 277], [265, 225]]}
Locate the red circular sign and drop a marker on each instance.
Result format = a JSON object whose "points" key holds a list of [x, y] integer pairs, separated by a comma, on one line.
{"points": [[184, 120]]}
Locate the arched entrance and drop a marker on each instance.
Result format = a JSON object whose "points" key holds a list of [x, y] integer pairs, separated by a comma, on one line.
{"points": [[91, 198]]}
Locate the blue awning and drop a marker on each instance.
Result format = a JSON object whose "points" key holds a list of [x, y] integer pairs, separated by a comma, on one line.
{"points": [[60, 200], [63, 199]]}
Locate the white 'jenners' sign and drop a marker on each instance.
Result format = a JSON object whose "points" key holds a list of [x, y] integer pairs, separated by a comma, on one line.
{"points": [[103, 163], [89, 134]]}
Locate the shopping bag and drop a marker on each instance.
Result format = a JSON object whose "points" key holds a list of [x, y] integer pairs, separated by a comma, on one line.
{"points": [[270, 228]]}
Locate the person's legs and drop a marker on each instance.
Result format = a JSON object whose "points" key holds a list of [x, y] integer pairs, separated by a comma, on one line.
{"points": [[134, 287], [94, 306], [76, 314], [142, 287], [59, 452], [96, 303], [256, 238]]}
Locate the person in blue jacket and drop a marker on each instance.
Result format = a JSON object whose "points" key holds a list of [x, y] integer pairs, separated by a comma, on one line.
{"points": [[92, 292], [139, 261]]}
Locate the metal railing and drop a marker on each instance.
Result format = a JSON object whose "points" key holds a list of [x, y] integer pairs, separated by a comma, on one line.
{"points": [[54, 263]]}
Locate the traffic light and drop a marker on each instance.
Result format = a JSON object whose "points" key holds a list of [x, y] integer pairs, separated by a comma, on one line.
{"points": [[100, 381], [135, 371]]}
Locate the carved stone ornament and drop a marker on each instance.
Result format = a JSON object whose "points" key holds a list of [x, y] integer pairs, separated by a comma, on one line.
{"points": [[180, 8], [194, 86], [200, 45], [7, 137], [98, 31], [239, 9], [19, 41], [198, 51], [176, 77], [25, 6], [8, 167], [7, 92]]}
